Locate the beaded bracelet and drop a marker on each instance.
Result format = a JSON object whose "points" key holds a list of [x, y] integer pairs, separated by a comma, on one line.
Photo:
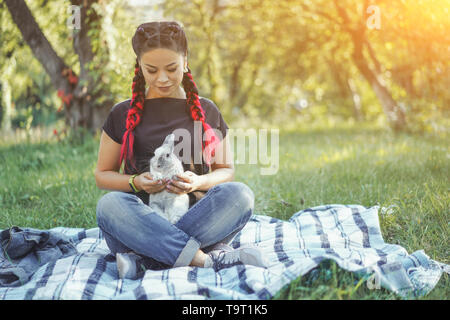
{"points": [[130, 181]]}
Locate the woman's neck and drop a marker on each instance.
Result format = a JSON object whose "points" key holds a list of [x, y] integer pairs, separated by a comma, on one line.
{"points": [[178, 94]]}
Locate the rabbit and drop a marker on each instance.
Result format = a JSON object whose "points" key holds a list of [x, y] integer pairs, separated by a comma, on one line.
{"points": [[166, 165]]}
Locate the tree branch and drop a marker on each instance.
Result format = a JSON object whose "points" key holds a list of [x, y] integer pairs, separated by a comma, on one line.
{"points": [[41, 48]]}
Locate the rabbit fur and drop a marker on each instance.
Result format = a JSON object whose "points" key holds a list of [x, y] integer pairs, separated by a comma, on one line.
{"points": [[166, 165]]}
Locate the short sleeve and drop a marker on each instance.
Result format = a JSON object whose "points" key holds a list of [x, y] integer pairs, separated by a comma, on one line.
{"points": [[115, 122], [214, 117], [223, 127]]}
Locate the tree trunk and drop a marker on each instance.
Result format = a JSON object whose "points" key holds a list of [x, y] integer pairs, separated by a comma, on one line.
{"points": [[356, 98], [7, 105], [346, 85], [86, 111], [393, 112], [235, 84], [80, 108]]}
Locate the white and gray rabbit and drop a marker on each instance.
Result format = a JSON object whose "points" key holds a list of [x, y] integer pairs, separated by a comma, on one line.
{"points": [[166, 165]]}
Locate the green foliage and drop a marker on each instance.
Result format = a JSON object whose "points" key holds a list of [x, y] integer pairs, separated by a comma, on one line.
{"points": [[268, 56], [111, 68], [32, 88], [272, 61], [328, 281]]}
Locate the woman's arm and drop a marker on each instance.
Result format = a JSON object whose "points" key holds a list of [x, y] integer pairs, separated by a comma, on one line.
{"points": [[107, 174], [222, 170]]}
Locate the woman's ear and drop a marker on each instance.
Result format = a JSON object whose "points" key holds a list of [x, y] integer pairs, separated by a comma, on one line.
{"points": [[185, 65]]}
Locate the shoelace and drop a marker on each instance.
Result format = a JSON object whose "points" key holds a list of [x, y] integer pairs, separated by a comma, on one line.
{"points": [[226, 258]]}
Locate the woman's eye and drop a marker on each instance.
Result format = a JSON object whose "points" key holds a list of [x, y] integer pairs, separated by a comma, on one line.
{"points": [[155, 71]]}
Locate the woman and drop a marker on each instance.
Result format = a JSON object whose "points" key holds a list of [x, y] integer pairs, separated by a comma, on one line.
{"points": [[219, 207]]}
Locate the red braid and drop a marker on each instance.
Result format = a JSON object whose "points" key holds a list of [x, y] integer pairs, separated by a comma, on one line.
{"points": [[133, 117], [197, 114], [170, 35]]}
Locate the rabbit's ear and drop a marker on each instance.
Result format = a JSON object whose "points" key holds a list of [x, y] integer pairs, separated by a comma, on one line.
{"points": [[170, 139], [171, 146]]}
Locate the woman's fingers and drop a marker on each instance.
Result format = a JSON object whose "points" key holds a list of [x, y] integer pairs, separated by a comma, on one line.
{"points": [[148, 179], [178, 187], [160, 188], [174, 189], [148, 175], [185, 176], [151, 185], [182, 183]]}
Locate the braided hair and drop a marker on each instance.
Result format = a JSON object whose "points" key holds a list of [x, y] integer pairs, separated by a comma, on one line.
{"points": [[169, 35]]}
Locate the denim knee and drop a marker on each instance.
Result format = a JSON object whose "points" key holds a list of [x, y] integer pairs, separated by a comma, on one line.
{"points": [[243, 200], [105, 206], [241, 195], [130, 223]]}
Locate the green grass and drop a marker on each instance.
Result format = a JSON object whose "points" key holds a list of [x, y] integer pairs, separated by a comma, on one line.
{"points": [[49, 184]]}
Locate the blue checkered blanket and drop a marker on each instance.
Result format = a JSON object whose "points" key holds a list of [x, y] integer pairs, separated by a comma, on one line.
{"points": [[348, 234]]}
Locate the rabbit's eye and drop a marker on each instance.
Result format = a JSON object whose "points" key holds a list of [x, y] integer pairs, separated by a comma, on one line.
{"points": [[167, 155]]}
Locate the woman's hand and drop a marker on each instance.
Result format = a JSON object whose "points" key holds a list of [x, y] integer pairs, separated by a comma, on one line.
{"points": [[145, 182], [184, 182]]}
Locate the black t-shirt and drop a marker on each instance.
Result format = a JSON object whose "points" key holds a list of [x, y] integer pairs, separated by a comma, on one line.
{"points": [[161, 116]]}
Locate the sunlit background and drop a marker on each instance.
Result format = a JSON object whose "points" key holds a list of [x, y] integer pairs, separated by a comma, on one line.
{"points": [[358, 89], [264, 63]]}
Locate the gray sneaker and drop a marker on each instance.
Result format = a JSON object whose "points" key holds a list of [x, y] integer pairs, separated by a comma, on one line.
{"points": [[129, 265], [219, 247], [219, 259]]}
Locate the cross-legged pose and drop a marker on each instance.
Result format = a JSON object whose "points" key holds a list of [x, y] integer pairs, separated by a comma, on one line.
{"points": [[165, 100]]}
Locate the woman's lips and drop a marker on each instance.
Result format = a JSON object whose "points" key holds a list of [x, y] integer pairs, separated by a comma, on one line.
{"points": [[164, 88]]}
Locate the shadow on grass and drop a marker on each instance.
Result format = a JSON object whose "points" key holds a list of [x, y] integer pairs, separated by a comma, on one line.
{"points": [[329, 281]]}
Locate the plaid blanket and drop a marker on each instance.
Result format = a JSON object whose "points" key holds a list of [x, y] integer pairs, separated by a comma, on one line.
{"points": [[347, 234]]}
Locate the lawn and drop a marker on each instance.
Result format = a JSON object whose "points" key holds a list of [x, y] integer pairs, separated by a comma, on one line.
{"points": [[49, 184]]}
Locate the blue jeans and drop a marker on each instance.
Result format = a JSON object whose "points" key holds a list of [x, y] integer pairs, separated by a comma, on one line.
{"points": [[24, 250], [128, 224]]}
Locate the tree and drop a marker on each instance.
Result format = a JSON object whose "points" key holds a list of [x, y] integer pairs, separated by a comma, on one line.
{"points": [[85, 100], [394, 113]]}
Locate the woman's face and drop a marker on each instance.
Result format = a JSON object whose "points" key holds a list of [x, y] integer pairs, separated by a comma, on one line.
{"points": [[163, 72]]}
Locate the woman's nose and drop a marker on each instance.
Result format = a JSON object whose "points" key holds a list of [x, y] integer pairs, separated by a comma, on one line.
{"points": [[162, 77]]}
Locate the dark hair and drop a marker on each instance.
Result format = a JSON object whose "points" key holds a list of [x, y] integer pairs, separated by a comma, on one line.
{"points": [[168, 35]]}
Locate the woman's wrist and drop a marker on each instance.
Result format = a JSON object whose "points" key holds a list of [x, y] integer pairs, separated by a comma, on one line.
{"points": [[201, 182], [209, 180], [134, 183]]}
